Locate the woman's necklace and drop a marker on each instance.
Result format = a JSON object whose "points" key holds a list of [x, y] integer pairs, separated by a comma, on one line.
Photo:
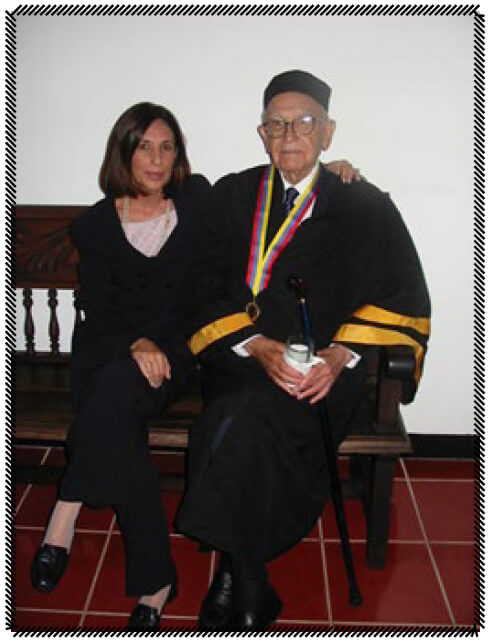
{"points": [[125, 213]]}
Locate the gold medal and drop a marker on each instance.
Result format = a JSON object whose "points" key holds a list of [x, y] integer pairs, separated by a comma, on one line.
{"points": [[252, 310]]}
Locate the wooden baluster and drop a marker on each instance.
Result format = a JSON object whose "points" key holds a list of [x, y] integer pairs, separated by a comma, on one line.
{"points": [[29, 321], [77, 304], [53, 321]]}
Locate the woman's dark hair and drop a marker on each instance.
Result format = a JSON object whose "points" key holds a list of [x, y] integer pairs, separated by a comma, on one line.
{"points": [[115, 177]]}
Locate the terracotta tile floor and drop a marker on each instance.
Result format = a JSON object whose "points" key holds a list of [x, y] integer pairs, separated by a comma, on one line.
{"points": [[428, 579]]}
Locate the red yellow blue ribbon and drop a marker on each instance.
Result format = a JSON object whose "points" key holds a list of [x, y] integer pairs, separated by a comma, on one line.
{"points": [[261, 260]]}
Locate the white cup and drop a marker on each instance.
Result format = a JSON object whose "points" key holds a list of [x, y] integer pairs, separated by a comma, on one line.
{"points": [[299, 350]]}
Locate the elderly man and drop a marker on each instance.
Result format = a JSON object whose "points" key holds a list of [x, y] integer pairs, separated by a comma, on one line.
{"points": [[258, 477]]}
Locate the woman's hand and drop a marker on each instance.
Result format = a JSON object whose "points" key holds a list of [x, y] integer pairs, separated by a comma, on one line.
{"points": [[320, 378], [270, 355], [152, 362], [344, 170]]}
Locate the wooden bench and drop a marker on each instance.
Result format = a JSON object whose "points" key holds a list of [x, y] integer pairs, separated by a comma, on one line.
{"points": [[46, 260]]}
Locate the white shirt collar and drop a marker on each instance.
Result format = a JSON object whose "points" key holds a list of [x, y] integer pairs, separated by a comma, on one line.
{"points": [[304, 183]]}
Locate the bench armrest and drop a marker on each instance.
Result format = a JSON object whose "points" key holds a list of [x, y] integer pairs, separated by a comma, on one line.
{"points": [[395, 385]]}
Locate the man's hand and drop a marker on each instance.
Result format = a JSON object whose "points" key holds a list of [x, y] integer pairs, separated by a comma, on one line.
{"points": [[270, 355], [152, 362], [344, 170], [320, 378]]}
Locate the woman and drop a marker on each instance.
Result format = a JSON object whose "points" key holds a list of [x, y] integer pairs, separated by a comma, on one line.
{"points": [[130, 358], [129, 355]]}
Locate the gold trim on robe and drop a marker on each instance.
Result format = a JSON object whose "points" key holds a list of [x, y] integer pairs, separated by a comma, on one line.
{"points": [[379, 336], [379, 315], [216, 330]]}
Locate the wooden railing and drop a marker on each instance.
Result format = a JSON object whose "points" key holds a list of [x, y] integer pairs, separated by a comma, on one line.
{"points": [[45, 259]]}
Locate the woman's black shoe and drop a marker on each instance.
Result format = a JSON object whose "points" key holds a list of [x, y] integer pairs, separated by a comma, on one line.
{"points": [[48, 567], [144, 617], [217, 606]]}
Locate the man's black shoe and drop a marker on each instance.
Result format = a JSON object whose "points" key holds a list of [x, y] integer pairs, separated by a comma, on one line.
{"points": [[217, 606], [255, 609], [48, 567], [144, 617]]}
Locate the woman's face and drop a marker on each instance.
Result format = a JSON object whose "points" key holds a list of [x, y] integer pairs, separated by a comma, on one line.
{"points": [[152, 161]]}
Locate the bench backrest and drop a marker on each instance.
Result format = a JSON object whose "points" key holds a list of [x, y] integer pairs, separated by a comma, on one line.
{"points": [[45, 259]]}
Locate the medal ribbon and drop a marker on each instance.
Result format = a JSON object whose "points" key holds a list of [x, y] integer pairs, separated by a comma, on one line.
{"points": [[260, 261]]}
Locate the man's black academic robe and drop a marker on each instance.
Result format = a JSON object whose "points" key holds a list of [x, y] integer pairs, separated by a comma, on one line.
{"points": [[257, 470]]}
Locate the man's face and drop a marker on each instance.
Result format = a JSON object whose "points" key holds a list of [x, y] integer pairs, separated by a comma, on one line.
{"points": [[295, 153]]}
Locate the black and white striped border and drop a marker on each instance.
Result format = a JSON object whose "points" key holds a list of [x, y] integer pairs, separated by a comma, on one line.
{"points": [[479, 309], [479, 271], [10, 200], [246, 10]]}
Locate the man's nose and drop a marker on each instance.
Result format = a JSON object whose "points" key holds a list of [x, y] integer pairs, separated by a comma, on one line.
{"points": [[289, 133]]}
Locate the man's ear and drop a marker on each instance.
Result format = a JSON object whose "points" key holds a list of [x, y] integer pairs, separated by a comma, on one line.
{"points": [[263, 136], [329, 130]]}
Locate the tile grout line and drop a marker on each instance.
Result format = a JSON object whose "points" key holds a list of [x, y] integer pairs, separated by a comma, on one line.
{"points": [[46, 454], [318, 622], [467, 543], [78, 530], [22, 500], [49, 610], [395, 624], [327, 595], [82, 530], [432, 479], [167, 617], [279, 621], [96, 574], [428, 547]]}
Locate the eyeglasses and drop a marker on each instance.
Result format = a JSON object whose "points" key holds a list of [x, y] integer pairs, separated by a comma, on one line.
{"points": [[301, 126]]}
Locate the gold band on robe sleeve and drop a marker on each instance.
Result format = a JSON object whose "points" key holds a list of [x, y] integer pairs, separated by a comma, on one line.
{"points": [[218, 329], [368, 335], [379, 315]]}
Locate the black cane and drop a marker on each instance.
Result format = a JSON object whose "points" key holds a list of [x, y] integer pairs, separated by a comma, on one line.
{"points": [[297, 286]]}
